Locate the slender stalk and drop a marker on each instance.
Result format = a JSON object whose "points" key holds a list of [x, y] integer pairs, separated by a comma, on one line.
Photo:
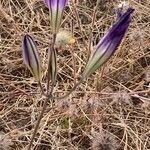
{"points": [[92, 27], [38, 122], [75, 86], [48, 97]]}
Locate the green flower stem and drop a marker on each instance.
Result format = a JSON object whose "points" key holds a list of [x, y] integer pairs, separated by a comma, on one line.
{"points": [[38, 122]]}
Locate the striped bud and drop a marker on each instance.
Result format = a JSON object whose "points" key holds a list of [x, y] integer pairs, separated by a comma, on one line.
{"points": [[56, 8], [31, 56], [52, 65]]}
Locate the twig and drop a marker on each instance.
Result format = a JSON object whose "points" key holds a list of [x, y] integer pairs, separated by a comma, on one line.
{"points": [[38, 122], [41, 88], [79, 22], [92, 26], [75, 86]]}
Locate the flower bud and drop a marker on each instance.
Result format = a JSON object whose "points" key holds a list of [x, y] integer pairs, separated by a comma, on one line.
{"points": [[56, 8], [31, 56], [109, 43], [52, 65]]}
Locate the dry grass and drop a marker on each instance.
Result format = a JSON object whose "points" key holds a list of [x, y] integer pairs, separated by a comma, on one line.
{"points": [[110, 111]]}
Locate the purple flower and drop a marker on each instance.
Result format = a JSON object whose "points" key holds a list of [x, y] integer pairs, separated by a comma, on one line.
{"points": [[109, 43], [31, 56], [56, 8]]}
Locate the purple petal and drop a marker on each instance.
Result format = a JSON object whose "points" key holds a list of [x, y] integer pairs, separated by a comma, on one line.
{"points": [[117, 31], [56, 8], [55, 3]]}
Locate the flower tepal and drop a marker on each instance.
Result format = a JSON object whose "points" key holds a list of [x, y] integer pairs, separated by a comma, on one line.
{"points": [[31, 56], [56, 8], [109, 43]]}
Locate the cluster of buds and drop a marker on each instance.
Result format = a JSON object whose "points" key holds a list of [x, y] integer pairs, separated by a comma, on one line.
{"points": [[103, 51]]}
